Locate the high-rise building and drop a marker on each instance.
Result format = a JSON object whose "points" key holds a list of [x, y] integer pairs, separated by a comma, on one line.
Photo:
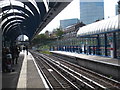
{"points": [[91, 11], [119, 6], [68, 22], [116, 10]]}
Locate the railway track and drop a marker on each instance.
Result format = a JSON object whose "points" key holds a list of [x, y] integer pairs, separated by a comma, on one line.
{"points": [[55, 80], [75, 77], [110, 83]]}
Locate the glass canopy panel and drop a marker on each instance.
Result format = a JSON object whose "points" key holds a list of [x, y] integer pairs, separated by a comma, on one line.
{"points": [[111, 24], [107, 24], [81, 31], [10, 18], [104, 25], [35, 5], [91, 28], [99, 27], [46, 5], [12, 11], [10, 23], [96, 29], [15, 24], [16, 3], [14, 27], [33, 2], [4, 12], [85, 30], [115, 23]]}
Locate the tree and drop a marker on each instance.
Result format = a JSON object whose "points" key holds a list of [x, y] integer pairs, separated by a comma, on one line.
{"points": [[42, 39], [59, 32], [39, 39]]}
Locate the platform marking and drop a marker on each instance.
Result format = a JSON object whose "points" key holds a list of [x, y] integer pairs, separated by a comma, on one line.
{"points": [[22, 82], [40, 74]]}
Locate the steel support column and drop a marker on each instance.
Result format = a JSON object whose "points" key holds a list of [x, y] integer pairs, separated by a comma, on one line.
{"points": [[98, 45], [105, 37], [114, 45]]}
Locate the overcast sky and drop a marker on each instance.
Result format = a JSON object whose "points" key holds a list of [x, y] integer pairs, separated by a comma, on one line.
{"points": [[73, 11]]}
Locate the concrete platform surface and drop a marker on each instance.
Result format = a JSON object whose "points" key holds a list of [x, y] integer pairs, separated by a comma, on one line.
{"points": [[10, 79], [91, 57], [26, 76]]}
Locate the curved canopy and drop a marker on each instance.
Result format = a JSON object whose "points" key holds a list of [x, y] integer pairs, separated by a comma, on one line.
{"points": [[12, 3], [103, 26], [11, 11], [27, 16], [11, 23]]}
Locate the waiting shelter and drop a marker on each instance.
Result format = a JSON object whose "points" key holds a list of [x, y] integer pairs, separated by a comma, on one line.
{"points": [[102, 37]]}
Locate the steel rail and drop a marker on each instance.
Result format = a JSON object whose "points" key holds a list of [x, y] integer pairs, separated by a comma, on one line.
{"points": [[76, 88], [52, 78], [95, 75], [61, 64], [45, 77], [73, 74], [60, 74]]}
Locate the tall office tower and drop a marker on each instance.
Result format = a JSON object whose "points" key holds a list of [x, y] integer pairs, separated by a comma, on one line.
{"points": [[116, 10], [67, 22], [119, 6], [91, 10]]}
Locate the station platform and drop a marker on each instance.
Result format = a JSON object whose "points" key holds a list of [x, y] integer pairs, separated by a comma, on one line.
{"points": [[109, 67], [25, 76], [101, 59]]}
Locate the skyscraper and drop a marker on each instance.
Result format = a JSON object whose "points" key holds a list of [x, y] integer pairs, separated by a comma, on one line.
{"points": [[91, 10], [116, 10], [67, 22], [119, 6]]}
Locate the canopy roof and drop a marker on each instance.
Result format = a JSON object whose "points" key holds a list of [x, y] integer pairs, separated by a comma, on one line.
{"points": [[103, 26], [27, 17]]}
